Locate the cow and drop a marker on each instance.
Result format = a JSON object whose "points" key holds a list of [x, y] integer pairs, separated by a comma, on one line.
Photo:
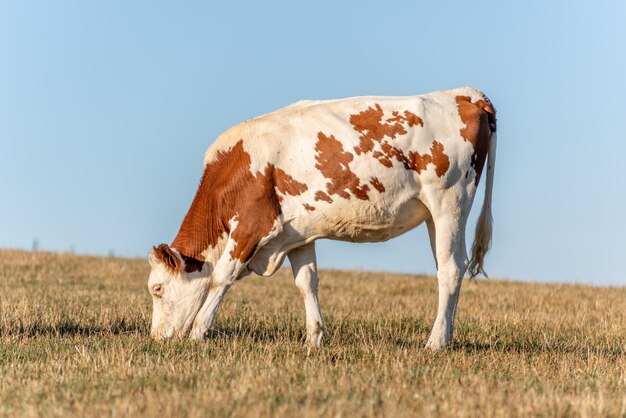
{"points": [[362, 169]]}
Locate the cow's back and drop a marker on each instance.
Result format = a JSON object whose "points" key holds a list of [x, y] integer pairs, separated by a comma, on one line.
{"points": [[359, 148]]}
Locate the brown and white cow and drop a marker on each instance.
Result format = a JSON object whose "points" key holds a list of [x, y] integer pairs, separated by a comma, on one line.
{"points": [[363, 169]]}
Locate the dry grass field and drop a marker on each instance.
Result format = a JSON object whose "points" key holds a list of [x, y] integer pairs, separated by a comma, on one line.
{"points": [[74, 341]]}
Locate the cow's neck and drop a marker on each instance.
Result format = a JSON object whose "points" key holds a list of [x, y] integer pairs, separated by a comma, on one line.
{"points": [[200, 233], [226, 178]]}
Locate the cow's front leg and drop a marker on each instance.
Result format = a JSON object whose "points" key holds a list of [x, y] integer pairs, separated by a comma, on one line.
{"points": [[230, 266], [304, 267], [226, 271]]}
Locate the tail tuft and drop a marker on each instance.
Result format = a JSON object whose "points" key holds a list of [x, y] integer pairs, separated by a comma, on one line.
{"points": [[484, 226], [482, 243]]}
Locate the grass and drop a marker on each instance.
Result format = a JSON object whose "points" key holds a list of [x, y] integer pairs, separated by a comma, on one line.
{"points": [[73, 341]]}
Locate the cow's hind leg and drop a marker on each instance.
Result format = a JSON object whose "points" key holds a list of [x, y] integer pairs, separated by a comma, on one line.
{"points": [[304, 267], [447, 235]]}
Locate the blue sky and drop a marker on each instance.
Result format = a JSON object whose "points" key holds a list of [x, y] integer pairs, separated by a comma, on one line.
{"points": [[106, 109]]}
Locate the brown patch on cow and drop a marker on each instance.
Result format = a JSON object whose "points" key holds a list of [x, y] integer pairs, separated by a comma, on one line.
{"points": [[333, 162], [227, 190], [437, 157], [375, 129], [369, 123], [409, 117], [287, 185], [414, 160], [377, 184], [389, 152], [383, 158], [470, 115], [320, 195], [168, 257], [480, 121], [308, 207], [257, 210]]}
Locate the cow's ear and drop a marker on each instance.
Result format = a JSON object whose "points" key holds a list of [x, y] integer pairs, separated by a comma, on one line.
{"points": [[165, 255]]}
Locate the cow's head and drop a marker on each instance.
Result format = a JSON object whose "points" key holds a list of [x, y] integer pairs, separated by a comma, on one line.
{"points": [[178, 286]]}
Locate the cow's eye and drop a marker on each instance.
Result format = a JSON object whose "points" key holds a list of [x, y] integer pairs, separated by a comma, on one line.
{"points": [[157, 290]]}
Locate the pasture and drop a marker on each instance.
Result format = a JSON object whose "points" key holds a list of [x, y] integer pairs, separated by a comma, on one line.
{"points": [[74, 341]]}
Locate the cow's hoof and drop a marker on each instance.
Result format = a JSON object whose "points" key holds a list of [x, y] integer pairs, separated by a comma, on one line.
{"points": [[314, 336], [198, 335], [436, 344], [315, 342]]}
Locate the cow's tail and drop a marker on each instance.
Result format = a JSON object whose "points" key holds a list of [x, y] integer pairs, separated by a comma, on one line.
{"points": [[482, 238]]}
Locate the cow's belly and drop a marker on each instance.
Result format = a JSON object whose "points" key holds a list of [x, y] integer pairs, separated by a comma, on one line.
{"points": [[353, 222], [370, 222]]}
